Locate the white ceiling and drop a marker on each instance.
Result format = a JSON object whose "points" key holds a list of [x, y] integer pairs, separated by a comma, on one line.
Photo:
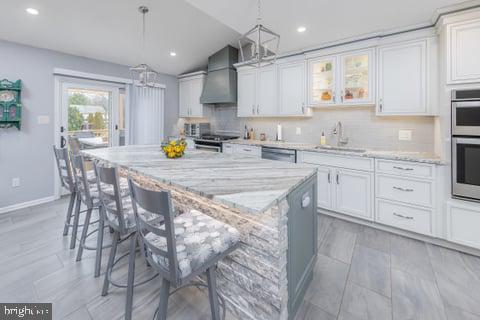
{"points": [[325, 20], [110, 30]]}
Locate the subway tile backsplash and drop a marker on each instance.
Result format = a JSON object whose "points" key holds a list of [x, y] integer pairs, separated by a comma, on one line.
{"points": [[361, 125]]}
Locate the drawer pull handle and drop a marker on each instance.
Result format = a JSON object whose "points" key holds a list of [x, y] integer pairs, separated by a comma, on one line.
{"points": [[402, 216], [402, 189], [248, 150], [402, 168]]}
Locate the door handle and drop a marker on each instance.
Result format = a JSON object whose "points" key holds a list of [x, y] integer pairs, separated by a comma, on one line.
{"points": [[253, 109], [329, 180], [258, 108], [338, 179], [63, 142], [116, 127]]}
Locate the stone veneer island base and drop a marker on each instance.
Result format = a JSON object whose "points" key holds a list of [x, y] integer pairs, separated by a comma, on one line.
{"points": [[271, 203]]}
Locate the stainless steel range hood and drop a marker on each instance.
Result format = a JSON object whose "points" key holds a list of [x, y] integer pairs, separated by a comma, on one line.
{"points": [[221, 84]]}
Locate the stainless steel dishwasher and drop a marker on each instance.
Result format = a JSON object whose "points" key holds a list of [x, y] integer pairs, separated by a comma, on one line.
{"points": [[287, 155]]}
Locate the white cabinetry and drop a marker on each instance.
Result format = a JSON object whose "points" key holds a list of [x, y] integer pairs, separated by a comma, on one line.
{"points": [[463, 219], [340, 189], [190, 89], [232, 148], [322, 77], [402, 79], [247, 93], [463, 47], [257, 92], [292, 88]]}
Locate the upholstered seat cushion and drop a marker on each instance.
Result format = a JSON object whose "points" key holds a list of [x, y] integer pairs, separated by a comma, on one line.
{"points": [[123, 184], [128, 214], [199, 239]]}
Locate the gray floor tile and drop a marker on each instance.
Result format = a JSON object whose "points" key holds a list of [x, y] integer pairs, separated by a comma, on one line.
{"points": [[411, 256], [309, 311], [347, 226], [454, 313], [375, 239], [371, 269], [415, 298], [338, 244], [326, 289], [79, 314], [362, 304], [324, 223]]}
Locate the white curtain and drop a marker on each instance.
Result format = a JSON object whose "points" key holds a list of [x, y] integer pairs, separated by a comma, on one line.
{"points": [[146, 115]]}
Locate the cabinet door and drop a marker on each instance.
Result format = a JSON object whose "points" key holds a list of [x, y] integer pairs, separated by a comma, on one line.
{"points": [[402, 87], [247, 93], [354, 193], [196, 88], [184, 88], [463, 47], [291, 80], [267, 91], [356, 79], [324, 187], [321, 81]]}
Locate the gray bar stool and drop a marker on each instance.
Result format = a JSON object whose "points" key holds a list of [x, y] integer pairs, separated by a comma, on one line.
{"points": [[119, 216], [88, 195], [182, 248]]}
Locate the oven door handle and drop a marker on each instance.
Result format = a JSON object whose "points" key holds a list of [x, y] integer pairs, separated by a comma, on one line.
{"points": [[475, 141], [466, 104], [202, 146]]}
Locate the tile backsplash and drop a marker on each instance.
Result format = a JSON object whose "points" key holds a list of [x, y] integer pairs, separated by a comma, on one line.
{"points": [[361, 125]]}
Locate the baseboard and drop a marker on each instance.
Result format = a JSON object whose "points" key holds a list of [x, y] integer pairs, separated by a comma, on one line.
{"points": [[27, 204]]}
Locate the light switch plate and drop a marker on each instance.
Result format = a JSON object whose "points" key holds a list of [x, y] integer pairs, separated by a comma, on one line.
{"points": [[43, 119], [405, 135], [16, 182], [298, 131]]}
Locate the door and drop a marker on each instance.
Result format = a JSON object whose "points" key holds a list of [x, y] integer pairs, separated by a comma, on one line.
{"points": [[196, 88], [291, 80], [463, 48], [402, 87], [354, 193], [184, 93], [357, 77], [321, 81], [267, 91], [247, 93], [324, 187]]}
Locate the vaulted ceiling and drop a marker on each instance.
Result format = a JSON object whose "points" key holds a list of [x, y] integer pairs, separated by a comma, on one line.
{"points": [[110, 30]]}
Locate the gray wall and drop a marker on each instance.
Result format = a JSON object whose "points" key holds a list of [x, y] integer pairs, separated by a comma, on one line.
{"points": [[27, 154]]}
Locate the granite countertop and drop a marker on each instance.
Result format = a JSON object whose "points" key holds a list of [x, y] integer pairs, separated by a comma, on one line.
{"points": [[423, 157], [238, 181]]}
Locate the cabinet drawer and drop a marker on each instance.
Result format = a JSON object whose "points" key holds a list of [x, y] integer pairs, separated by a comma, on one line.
{"points": [[405, 190], [405, 168], [227, 148], [404, 217], [354, 163], [248, 150]]}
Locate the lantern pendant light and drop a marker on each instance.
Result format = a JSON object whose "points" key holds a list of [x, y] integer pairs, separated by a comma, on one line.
{"points": [[259, 46], [143, 75]]}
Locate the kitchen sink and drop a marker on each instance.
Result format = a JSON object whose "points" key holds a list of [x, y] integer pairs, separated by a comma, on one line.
{"points": [[346, 149]]}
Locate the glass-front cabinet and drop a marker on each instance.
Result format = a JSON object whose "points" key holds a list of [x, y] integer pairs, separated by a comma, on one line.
{"points": [[356, 77], [344, 79], [321, 79]]}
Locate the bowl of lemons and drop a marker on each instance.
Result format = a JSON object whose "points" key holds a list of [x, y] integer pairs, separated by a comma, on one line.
{"points": [[174, 149]]}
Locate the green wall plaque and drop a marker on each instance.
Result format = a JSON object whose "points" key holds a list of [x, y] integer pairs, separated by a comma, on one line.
{"points": [[10, 104]]}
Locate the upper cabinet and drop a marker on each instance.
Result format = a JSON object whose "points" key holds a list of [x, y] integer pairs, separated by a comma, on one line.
{"points": [[292, 89], [343, 79], [463, 46], [190, 89], [247, 92], [402, 78]]}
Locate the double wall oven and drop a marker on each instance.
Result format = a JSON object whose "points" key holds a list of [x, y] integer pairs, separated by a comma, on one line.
{"points": [[466, 144]]}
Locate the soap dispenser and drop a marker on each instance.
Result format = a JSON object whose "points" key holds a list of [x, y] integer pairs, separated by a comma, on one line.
{"points": [[323, 139]]}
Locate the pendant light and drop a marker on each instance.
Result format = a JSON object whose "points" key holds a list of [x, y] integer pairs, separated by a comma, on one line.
{"points": [[259, 46], [143, 75]]}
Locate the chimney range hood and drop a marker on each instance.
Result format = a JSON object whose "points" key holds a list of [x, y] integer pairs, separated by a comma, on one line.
{"points": [[221, 84]]}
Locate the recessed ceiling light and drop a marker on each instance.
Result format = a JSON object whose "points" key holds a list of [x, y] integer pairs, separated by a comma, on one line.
{"points": [[173, 54], [32, 11], [301, 29]]}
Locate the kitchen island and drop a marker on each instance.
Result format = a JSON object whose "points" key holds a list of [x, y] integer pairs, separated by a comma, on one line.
{"points": [[271, 203]]}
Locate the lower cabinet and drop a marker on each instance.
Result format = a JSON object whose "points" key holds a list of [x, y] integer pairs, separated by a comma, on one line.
{"points": [[231, 148], [463, 219]]}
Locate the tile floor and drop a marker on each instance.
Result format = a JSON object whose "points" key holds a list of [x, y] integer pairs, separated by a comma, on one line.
{"points": [[361, 274]]}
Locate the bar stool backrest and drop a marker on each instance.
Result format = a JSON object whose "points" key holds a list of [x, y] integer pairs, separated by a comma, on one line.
{"points": [[64, 168], [159, 205], [107, 181], [81, 181]]}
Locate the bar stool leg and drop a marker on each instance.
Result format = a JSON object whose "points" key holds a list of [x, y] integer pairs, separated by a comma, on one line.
{"points": [[131, 276], [69, 213], [101, 226], [212, 293], [84, 234], [111, 260], [76, 219], [163, 305]]}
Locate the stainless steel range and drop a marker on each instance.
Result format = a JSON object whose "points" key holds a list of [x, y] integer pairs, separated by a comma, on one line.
{"points": [[466, 144], [212, 142]]}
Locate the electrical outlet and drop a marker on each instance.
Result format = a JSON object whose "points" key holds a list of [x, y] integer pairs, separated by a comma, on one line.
{"points": [[16, 182], [298, 131], [405, 135]]}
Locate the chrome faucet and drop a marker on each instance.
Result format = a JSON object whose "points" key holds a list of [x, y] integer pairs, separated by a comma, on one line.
{"points": [[338, 130]]}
